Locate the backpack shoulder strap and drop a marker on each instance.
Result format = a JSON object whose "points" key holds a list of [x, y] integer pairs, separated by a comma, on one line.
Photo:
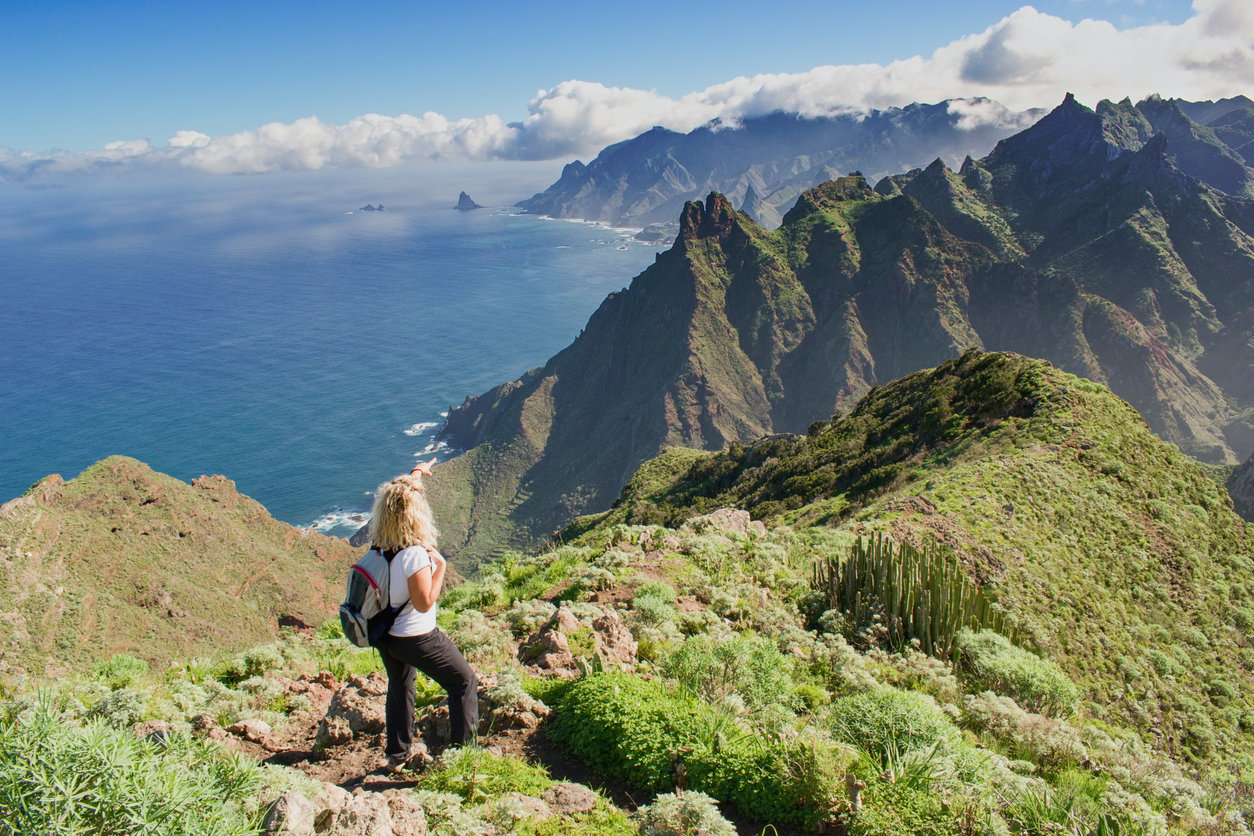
{"points": [[389, 555]]}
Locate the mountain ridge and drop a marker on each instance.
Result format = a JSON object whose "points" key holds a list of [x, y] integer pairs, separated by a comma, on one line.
{"points": [[1069, 242], [1053, 493], [764, 162]]}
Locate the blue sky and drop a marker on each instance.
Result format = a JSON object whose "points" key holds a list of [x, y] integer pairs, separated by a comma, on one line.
{"points": [[79, 75]]}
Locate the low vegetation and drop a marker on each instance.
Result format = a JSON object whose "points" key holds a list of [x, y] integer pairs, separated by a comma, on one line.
{"points": [[708, 675]]}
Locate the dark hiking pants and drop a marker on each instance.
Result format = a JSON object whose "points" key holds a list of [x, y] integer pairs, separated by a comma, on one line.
{"points": [[435, 655]]}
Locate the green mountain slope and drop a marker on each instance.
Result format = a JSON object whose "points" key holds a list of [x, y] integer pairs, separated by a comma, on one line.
{"points": [[1117, 555], [685, 658], [1073, 241], [123, 559]]}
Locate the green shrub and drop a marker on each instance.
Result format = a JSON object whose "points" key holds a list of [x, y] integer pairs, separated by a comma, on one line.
{"points": [[475, 774], [526, 617], [483, 641], [465, 789], [59, 777], [653, 604], [989, 662], [883, 722], [120, 670], [121, 708], [446, 816], [1163, 664], [748, 666], [682, 814], [636, 731], [893, 809], [627, 728], [1044, 740], [780, 780]]}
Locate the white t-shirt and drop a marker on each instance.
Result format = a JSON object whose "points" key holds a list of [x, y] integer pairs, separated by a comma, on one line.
{"points": [[410, 621]]}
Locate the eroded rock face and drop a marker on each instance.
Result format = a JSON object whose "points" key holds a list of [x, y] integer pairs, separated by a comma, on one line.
{"points": [[356, 708], [565, 641]]}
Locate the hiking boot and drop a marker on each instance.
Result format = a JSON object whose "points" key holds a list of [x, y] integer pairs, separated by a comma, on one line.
{"points": [[417, 758]]}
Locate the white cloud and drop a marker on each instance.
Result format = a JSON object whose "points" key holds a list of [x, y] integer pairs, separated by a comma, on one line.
{"points": [[1028, 59]]}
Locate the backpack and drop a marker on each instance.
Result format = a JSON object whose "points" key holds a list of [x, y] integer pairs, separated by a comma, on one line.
{"points": [[366, 614]]}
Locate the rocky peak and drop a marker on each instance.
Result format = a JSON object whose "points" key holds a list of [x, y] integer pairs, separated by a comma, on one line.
{"points": [[1069, 134], [713, 219]]}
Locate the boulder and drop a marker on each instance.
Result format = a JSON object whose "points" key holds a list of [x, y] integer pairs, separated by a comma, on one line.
{"points": [[365, 814], [330, 801], [359, 706], [291, 814], [568, 798], [254, 730], [614, 641], [333, 731], [726, 521], [532, 806], [408, 816]]}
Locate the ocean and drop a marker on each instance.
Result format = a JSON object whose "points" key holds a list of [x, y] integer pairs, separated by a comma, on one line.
{"points": [[267, 329]]}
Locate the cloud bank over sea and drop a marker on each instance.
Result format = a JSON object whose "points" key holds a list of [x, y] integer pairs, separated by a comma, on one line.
{"points": [[1028, 59]]}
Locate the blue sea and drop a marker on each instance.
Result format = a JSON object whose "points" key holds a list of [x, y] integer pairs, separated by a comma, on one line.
{"points": [[267, 329]]}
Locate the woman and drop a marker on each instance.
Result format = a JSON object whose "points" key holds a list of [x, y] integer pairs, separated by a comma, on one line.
{"points": [[401, 524]]}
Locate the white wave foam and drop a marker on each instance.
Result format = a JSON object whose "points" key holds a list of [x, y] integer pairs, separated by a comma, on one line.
{"points": [[433, 447], [339, 521], [422, 427]]}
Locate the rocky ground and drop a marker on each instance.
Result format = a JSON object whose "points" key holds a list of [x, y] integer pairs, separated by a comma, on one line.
{"points": [[338, 741]]}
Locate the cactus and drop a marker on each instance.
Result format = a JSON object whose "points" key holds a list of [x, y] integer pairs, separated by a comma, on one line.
{"points": [[923, 595]]}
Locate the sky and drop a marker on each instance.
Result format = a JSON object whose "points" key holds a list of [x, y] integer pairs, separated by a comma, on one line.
{"points": [[246, 87]]}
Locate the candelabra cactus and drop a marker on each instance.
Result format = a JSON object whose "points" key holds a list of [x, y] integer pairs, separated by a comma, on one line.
{"points": [[916, 594]]}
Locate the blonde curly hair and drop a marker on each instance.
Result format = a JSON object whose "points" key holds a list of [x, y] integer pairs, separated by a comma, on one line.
{"points": [[401, 516]]}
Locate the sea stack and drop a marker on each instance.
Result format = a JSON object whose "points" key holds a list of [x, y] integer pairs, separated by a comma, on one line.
{"points": [[465, 204]]}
